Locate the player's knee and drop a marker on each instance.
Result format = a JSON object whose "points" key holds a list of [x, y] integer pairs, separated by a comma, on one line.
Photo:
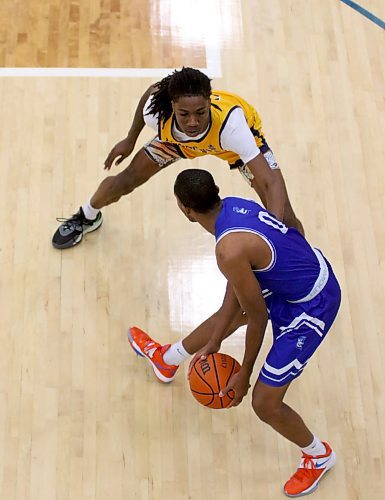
{"points": [[266, 410]]}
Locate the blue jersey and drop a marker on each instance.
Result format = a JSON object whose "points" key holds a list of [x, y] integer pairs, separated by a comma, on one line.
{"points": [[297, 272]]}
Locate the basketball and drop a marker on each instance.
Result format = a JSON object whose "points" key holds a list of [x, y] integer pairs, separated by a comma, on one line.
{"points": [[209, 376]]}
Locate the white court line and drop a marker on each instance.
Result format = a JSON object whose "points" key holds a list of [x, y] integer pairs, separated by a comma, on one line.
{"points": [[213, 58]]}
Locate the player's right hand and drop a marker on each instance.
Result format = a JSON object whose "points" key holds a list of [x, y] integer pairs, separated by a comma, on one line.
{"points": [[240, 384], [211, 347], [120, 151]]}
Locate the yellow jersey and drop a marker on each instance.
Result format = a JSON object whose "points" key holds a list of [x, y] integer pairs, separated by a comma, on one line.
{"points": [[222, 104]]}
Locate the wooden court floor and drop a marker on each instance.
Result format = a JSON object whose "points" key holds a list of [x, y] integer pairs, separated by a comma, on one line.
{"points": [[81, 418]]}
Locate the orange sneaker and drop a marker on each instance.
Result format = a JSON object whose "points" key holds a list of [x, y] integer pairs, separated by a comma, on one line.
{"points": [[309, 473], [144, 346]]}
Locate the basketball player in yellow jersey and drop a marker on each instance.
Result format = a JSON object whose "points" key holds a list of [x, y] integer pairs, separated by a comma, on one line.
{"points": [[191, 120]]}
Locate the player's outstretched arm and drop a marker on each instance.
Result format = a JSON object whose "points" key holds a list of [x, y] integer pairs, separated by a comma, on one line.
{"points": [[125, 147], [270, 187]]}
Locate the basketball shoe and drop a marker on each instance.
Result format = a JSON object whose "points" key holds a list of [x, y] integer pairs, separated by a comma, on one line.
{"points": [[309, 473], [71, 231], [144, 346]]}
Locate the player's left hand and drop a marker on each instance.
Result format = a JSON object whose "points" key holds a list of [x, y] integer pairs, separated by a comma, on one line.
{"points": [[211, 347], [240, 384]]}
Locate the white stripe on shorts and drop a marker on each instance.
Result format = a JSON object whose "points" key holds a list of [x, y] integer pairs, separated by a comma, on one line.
{"points": [[279, 371], [295, 367], [277, 380], [303, 319]]}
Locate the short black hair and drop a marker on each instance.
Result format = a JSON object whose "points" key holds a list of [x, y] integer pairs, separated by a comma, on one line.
{"points": [[185, 82], [196, 189]]}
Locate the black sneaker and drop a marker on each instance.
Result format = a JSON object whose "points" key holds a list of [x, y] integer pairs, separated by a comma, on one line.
{"points": [[71, 231]]}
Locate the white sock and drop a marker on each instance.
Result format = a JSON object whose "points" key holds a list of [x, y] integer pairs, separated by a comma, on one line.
{"points": [[315, 448], [176, 354], [89, 211]]}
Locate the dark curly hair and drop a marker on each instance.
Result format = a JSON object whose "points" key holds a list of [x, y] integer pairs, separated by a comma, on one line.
{"points": [[186, 82], [196, 189]]}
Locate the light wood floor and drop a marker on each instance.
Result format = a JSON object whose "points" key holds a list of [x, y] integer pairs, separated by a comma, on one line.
{"points": [[80, 416]]}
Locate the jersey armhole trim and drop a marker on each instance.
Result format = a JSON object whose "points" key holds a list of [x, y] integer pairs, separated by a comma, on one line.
{"points": [[266, 240]]}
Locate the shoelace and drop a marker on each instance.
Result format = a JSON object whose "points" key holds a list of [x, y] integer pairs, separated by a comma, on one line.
{"points": [[305, 469], [149, 346], [72, 221], [307, 462]]}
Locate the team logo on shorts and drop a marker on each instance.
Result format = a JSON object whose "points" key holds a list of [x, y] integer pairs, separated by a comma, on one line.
{"points": [[301, 342]]}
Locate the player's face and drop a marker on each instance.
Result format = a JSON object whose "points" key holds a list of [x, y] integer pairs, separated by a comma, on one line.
{"points": [[185, 210], [192, 114]]}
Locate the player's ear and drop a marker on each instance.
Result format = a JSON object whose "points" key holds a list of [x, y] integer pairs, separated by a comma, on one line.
{"points": [[179, 203], [181, 206]]}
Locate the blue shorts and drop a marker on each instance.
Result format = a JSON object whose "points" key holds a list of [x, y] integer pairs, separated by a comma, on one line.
{"points": [[298, 329]]}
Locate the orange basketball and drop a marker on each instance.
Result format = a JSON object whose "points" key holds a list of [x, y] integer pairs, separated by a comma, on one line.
{"points": [[209, 376]]}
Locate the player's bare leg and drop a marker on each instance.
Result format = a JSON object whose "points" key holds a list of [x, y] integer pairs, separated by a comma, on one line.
{"points": [[89, 218], [269, 406], [112, 188], [317, 456]]}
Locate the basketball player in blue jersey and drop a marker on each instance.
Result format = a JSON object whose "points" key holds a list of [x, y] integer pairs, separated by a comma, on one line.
{"points": [[272, 272], [190, 120]]}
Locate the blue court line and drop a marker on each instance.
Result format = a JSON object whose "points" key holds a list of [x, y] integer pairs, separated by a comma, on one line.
{"points": [[366, 13]]}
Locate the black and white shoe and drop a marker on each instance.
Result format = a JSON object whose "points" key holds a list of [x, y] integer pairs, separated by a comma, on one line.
{"points": [[71, 231]]}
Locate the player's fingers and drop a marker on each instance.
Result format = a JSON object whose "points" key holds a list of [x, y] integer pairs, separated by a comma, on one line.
{"points": [[194, 360], [108, 162], [189, 370], [224, 391], [237, 399], [235, 402], [190, 366], [120, 159], [110, 156]]}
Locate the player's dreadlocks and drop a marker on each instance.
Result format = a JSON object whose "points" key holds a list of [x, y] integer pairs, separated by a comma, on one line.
{"points": [[186, 82]]}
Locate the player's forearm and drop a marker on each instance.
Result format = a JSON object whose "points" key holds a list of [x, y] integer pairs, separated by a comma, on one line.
{"points": [[226, 315], [223, 321], [276, 198], [138, 122], [223, 325], [269, 187]]}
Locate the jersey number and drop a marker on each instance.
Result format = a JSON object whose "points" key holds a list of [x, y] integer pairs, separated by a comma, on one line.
{"points": [[270, 220]]}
